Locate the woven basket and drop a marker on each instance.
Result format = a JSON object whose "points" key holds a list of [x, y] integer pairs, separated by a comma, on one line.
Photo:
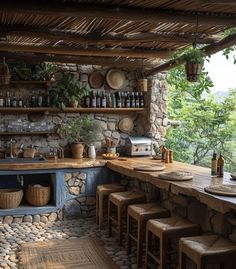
{"points": [[38, 195], [10, 198], [5, 75]]}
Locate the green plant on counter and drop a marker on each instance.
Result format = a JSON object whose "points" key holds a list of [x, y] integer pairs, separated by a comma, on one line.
{"points": [[69, 90], [83, 129]]}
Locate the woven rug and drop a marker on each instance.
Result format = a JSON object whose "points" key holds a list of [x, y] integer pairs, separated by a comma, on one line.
{"points": [[65, 254]]}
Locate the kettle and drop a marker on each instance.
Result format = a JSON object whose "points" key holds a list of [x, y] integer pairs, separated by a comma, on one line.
{"points": [[91, 152]]}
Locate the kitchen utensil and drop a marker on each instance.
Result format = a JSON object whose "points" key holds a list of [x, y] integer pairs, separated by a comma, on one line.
{"points": [[150, 168], [91, 152], [110, 156], [96, 80], [115, 79], [138, 146]]}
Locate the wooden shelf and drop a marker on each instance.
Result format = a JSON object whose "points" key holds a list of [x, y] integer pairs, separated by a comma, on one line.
{"points": [[31, 81], [68, 110], [25, 133]]}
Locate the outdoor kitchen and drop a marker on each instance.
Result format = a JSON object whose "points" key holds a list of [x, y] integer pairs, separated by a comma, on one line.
{"points": [[88, 178]]}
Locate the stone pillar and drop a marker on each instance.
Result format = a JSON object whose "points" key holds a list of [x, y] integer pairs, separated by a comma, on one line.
{"points": [[156, 102]]}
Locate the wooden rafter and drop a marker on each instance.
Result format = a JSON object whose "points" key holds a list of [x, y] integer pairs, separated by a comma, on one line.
{"points": [[226, 42], [70, 9], [82, 60], [217, 2], [139, 53], [55, 35]]}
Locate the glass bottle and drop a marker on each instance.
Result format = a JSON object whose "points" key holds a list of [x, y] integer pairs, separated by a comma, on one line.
{"points": [[220, 166], [98, 100], [104, 100], [8, 99], [87, 102], [14, 101], [1, 100], [118, 100], [40, 100], [141, 100], [127, 100], [20, 101], [113, 98], [137, 105], [93, 100], [33, 100], [214, 164], [132, 100], [109, 100]]}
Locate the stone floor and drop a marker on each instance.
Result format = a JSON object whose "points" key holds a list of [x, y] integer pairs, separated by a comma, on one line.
{"points": [[13, 235]]}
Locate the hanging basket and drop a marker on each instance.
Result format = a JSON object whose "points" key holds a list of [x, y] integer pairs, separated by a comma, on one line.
{"points": [[4, 74], [193, 71]]}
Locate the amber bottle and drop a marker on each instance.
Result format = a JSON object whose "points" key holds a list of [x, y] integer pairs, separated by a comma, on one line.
{"points": [[220, 166]]}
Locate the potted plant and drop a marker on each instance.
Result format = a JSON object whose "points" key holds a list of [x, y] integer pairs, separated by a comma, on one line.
{"points": [[79, 131], [194, 59], [69, 92], [45, 71]]}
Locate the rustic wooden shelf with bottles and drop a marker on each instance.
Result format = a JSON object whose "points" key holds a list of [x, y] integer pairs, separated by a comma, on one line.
{"points": [[47, 110], [47, 82]]}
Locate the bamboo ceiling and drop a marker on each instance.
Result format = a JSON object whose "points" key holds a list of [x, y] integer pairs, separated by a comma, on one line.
{"points": [[131, 33]]}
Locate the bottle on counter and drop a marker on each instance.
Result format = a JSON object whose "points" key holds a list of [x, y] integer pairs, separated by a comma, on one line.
{"points": [[98, 100], [132, 100], [33, 100], [127, 100], [118, 100], [214, 164], [109, 100], [20, 101], [104, 100], [1, 100], [87, 101], [141, 100], [137, 103], [14, 101], [163, 153], [113, 100], [40, 99], [8, 99], [220, 166]]}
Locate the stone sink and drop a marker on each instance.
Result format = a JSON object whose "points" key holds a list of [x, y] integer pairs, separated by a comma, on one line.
{"points": [[23, 160]]}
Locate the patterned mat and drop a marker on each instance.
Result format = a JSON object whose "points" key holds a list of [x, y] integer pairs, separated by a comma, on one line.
{"points": [[65, 254]]}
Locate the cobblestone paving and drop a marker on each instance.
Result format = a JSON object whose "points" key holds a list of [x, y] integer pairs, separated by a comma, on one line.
{"points": [[13, 235]]}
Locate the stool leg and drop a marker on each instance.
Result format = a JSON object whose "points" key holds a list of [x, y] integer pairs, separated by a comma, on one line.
{"points": [[147, 248], [109, 218], [139, 243], [100, 210], [129, 230], [119, 224], [97, 207], [163, 252], [182, 260]]}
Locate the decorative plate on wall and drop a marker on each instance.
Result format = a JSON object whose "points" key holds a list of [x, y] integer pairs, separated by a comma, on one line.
{"points": [[126, 125], [115, 79], [96, 80]]}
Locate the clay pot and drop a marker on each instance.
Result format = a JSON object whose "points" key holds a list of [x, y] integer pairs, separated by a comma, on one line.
{"points": [[193, 71], [77, 150], [74, 104], [142, 85]]}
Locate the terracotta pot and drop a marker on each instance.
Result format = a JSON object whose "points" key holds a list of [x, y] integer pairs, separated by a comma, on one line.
{"points": [[193, 71], [77, 150], [74, 104], [142, 85]]}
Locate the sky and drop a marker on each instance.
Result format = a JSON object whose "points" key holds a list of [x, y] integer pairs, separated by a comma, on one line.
{"points": [[222, 72]]}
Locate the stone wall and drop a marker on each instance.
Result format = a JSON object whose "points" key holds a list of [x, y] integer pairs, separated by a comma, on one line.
{"points": [[152, 122]]}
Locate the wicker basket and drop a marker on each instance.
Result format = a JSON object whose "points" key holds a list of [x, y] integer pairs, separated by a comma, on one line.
{"points": [[4, 73], [38, 195], [10, 198]]}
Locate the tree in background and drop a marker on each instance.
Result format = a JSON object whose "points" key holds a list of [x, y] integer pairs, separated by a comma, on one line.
{"points": [[206, 124]]}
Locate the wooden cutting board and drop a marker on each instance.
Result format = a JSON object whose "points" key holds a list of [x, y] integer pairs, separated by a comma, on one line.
{"points": [[150, 168], [176, 176], [222, 189]]}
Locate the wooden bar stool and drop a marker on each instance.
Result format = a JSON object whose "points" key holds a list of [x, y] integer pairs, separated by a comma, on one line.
{"points": [[166, 229], [207, 250], [121, 200], [141, 213], [102, 192]]}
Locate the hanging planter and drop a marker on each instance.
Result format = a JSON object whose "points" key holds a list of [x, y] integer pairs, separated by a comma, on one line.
{"points": [[194, 60], [4, 73]]}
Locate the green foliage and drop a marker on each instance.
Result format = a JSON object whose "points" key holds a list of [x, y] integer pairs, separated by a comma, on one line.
{"points": [[25, 71], [194, 55], [68, 89], [207, 125], [83, 129]]}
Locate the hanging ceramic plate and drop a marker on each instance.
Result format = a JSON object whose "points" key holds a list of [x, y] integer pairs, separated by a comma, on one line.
{"points": [[126, 125], [115, 79], [96, 80]]}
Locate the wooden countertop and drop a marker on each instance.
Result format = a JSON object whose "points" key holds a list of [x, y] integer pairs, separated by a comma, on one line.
{"points": [[55, 164], [194, 187]]}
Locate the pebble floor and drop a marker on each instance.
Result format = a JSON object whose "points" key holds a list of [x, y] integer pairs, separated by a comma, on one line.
{"points": [[13, 235]]}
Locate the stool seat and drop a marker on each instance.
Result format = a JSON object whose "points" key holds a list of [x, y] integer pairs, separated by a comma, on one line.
{"points": [[141, 213], [166, 229], [121, 200], [207, 249], [126, 198], [102, 192]]}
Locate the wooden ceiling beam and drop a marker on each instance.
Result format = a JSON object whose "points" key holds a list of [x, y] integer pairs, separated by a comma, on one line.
{"points": [[217, 2], [81, 60], [226, 42], [138, 53], [55, 35], [71, 9]]}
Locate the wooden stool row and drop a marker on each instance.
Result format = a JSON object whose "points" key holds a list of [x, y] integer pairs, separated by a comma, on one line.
{"points": [[155, 220]]}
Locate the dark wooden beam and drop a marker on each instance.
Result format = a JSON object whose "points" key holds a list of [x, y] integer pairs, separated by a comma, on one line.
{"points": [[226, 42], [87, 52], [81, 60], [55, 35], [217, 2], [72, 9]]}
